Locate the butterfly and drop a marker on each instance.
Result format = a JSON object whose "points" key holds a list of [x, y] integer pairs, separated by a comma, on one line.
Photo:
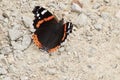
{"points": [[49, 32]]}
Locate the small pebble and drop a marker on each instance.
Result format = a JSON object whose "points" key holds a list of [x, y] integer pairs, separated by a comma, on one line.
{"points": [[53, 5], [89, 38], [22, 43], [10, 58], [4, 61], [91, 51], [96, 6], [2, 56], [16, 45], [26, 41], [67, 48], [62, 6], [32, 29], [92, 16], [105, 15], [5, 15], [1, 18], [6, 50], [76, 8], [12, 69], [44, 58], [18, 55], [24, 78], [61, 49], [106, 1], [15, 33], [98, 26], [3, 71], [6, 78], [117, 14], [27, 21], [51, 71], [82, 19]]}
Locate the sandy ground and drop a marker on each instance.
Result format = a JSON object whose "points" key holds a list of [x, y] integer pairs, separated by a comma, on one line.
{"points": [[91, 52]]}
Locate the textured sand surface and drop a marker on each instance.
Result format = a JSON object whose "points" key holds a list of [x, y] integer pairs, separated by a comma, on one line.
{"points": [[91, 52]]}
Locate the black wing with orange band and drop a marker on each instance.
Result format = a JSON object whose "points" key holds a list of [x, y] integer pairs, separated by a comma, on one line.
{"points": [[49, 32]]}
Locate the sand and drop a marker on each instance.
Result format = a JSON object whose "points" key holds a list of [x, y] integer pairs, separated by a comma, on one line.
{"points": [[91, 51]]}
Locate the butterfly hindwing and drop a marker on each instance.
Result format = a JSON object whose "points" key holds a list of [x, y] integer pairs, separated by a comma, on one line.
{"points": [[50, 36]]}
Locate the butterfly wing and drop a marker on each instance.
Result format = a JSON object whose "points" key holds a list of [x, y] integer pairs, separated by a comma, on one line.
{"points": [[50, 35], [61, 34], [41, 14], [49, 32]]}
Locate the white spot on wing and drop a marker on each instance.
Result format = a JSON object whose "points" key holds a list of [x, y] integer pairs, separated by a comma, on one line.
{"points": [[43, 12], [37, 12], [38, 15], [68, 31], [68, 25]]}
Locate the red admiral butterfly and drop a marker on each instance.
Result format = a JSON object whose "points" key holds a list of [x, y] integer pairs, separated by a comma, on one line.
{"points": [[49, 33]]}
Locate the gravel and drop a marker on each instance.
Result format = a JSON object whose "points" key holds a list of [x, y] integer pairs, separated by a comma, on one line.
{"points": [[98, 26], [105, 15], [96, 5], [91, 52], [6, 78], [15, 33], [24, 78], [107, 1], [51, 71], [118, 14], [6, 50], [3, 71], [75, 7], [81, 20], [61, 49], [26, 41], [27, 21]]}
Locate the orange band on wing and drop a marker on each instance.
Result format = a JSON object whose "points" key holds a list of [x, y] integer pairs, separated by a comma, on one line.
{"points": [[35, 40], [53, 49], [64, 35], [45, 19], [49, 18], [39, 22]]}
